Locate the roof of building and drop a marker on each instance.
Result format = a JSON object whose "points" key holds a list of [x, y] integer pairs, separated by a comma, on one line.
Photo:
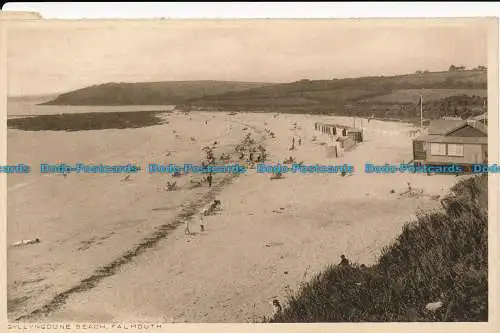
{"points": [[478, 125], [445, 126], [333, 125], [344, 138], [483, 116], [451, 118], [452, 139]]}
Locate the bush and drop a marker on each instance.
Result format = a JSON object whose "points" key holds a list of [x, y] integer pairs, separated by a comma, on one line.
{"points": [[442, 256]]}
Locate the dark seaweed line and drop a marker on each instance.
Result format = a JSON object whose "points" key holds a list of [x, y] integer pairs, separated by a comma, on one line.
{"points": [[187, 211]]}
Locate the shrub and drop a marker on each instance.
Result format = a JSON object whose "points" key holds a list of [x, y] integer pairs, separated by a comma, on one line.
{"points": [[442, 256]]}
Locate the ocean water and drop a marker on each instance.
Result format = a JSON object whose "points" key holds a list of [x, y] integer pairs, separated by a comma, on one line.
{"points": [[29, 107]]}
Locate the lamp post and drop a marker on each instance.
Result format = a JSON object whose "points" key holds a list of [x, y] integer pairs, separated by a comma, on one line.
{"points": [[484, 112], [421, 113]]}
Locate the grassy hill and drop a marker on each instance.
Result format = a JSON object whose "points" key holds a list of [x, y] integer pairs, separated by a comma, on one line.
{"points": [[394, 96], [148, 93], [461, 93], [442, 257]]}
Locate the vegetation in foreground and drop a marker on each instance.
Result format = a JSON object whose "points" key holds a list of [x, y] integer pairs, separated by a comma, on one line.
{"points": [[442, 257]]}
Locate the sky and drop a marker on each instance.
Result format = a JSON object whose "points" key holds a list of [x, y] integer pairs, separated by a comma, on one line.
{"points": [[54, 56]]}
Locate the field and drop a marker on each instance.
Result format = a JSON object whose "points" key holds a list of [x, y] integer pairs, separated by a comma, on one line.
{"points": [[345, 96], [412, 96], [114, 249]]}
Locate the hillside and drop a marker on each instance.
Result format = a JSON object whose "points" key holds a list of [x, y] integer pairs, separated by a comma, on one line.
{"points": [[457, 93], [149, 93], [447, 93], [442, 257]]}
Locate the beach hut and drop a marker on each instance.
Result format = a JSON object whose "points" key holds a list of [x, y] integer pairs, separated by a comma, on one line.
{"points": [[458, 142], [356, 134], [346, 131]]}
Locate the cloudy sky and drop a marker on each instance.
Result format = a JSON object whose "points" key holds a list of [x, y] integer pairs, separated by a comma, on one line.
{"points": [[57, 56]]}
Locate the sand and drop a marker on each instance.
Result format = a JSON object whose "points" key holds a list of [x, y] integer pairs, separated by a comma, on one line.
{"points": [[268, 237]]}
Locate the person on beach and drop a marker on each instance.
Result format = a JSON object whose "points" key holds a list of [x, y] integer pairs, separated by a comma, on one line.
{"points": [[276, 307], [26, 242], [344, 262], [202, 223], [209, 179], [300, 141]]}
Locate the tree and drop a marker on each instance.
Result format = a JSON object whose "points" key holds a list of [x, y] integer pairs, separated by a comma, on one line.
{"points": [[454, 68]]}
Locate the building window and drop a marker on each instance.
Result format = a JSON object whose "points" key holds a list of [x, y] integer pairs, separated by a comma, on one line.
{"points": [[455, 150], [438, 149]]}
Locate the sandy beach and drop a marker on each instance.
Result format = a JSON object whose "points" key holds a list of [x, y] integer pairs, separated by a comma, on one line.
{"points": [[268, 236]]}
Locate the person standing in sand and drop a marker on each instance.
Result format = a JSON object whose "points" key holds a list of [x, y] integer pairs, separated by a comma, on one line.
{"points": [[202, 223], [209, 179]]}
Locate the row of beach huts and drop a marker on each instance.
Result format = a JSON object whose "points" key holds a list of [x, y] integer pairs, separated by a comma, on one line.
{"points": [[343, 137], [445, 141]]}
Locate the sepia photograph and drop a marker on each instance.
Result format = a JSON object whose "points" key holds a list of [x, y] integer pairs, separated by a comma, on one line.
{"points": [[249, 171]]}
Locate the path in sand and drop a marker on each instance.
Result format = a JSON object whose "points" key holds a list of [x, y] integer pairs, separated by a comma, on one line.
{"points": [[87, 221]]}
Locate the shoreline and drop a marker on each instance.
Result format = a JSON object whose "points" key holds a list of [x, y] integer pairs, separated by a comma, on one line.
{"points": [[188, 210]]}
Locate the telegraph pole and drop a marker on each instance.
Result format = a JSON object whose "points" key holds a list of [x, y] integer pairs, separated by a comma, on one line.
{"points": [[421, 113], [484, 114]]}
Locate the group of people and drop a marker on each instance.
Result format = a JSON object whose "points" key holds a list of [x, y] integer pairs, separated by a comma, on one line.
{"points": [[209, 159], [299, 141], [269, 132], [247, 146]]}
